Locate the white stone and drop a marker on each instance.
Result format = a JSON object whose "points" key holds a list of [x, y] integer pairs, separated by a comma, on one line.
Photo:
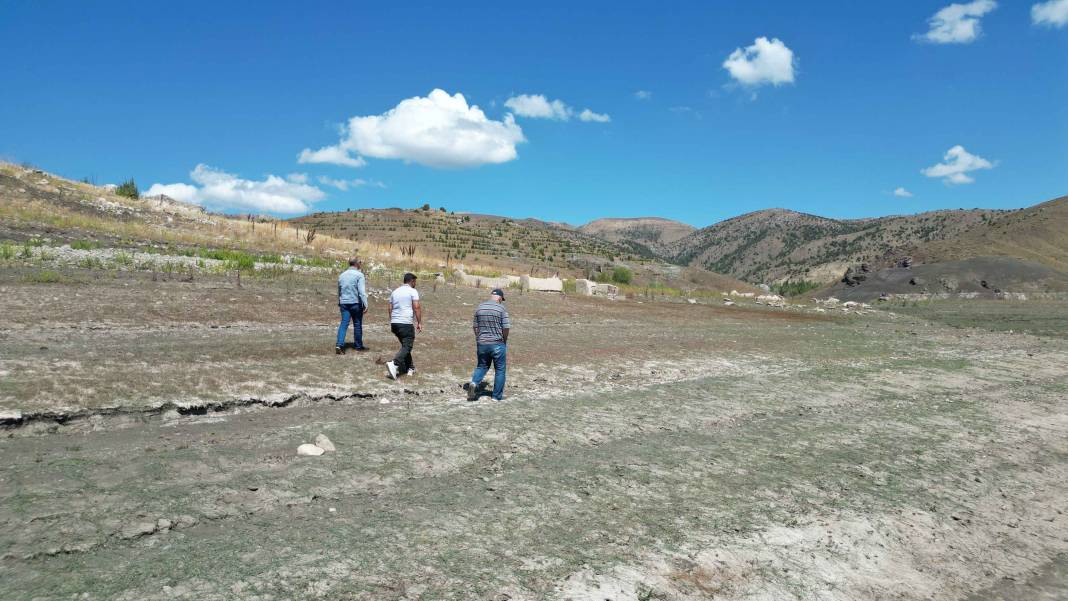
{"points": [[324, 443], [309, 450], [692, 301]]}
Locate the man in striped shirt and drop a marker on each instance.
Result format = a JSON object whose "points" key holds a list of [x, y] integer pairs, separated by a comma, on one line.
{"points": [[491, 325]]}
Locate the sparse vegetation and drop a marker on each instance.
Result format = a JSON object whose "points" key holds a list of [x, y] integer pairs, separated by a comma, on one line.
{"points": [[128, 189], [797, 288]]}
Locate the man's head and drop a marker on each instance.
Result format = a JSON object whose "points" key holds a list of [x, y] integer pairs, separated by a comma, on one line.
{"points": [[409, 278], [497, 295], [355, 263]]}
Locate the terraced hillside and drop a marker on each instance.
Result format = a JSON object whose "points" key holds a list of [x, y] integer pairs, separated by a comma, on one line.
{"points": [[648, 235], [463, 238], [777, 245]]}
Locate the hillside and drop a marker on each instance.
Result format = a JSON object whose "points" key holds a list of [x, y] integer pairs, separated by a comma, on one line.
{"points": [[776, 245], [1038, 234], [508, 245], [647, 235]]}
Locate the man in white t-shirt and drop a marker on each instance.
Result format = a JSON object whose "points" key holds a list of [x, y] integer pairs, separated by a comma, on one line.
{"points": [[405, 319]]}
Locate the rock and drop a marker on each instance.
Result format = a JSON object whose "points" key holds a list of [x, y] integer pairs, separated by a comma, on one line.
{"points": [[692, 301], [163, 524], [728, 303], [309, 450], [137, 529], [185, 521], [324, 443]]}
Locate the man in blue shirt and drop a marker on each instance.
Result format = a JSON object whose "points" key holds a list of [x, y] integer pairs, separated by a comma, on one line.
{"points": [[352, 299]]}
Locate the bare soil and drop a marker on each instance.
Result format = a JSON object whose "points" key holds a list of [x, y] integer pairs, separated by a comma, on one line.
{"points": [[649, 450]]}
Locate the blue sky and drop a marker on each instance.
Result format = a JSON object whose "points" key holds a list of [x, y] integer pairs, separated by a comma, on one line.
{"points": [[840, 105]]}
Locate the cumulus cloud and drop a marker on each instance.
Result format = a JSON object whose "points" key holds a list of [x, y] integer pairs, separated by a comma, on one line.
{"points": [[218, 189], [764, 62], [345, 184], [1053, 13], [333, 155], [437, 130], [643, 94], [902, 193], [955, 166], [588, 115], [957, 23], [537, 106]]}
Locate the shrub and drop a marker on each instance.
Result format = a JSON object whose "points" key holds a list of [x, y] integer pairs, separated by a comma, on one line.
{"points": [[622, 275], [7, 251], [124, 259], [128, 189]]}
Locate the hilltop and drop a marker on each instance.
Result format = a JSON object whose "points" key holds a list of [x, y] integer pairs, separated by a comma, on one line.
{"points": [[647, 235]]}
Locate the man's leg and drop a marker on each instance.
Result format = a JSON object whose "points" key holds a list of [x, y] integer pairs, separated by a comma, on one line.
{"points": [[405, 333], [341, 329], [357, 326], [484, 355], [409, 363], [500, 359]]}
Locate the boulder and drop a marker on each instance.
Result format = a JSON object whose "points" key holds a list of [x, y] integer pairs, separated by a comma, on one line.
{"points": [[324, 443], [585, 287], [309, 450], [553, 284]]}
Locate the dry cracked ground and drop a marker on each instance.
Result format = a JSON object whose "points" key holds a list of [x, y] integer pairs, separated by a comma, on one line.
{"points": [[644, 451]]}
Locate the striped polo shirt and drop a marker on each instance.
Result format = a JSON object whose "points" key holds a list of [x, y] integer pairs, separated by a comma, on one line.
{"points": [[491, 318]]}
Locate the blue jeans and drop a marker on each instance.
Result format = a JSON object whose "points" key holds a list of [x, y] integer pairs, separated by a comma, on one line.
{"points": [[495, 353], [353, 311]]}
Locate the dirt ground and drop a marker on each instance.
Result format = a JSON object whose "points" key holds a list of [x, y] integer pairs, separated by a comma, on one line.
{"points": [[648, 450]]}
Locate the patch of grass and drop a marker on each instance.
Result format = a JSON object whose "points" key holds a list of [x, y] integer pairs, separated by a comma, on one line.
{"points": [[123, 259], [91, 263], [85, 244], [128, 189], [46, 276]]}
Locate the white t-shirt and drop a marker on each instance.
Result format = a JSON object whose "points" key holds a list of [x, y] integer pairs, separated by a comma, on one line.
{"points": [[401, 299]]}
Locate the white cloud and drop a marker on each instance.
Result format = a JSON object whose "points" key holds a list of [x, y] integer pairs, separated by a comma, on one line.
{"points": [[537, 106], [220, 190], [333, 155], [588, 115], [182, 192], [957, 23], [902, 193], [762, 63], [345, 184], [1053, 13], [438, 130], [298, 178], [643, 94], [956, 165]]}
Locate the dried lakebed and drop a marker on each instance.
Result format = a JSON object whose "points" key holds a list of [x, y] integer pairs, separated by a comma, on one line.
{"points": [[758, 458]]}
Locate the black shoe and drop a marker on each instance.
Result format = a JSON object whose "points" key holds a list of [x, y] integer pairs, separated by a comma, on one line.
{"points": [[340, 350], [472, 392], [362, 349]]}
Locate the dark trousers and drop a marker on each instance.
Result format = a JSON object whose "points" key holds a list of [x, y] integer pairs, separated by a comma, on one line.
{"points": [[405, 332]]}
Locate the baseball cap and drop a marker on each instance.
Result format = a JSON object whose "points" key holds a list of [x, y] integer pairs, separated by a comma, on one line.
{"points": [[498, 292]]}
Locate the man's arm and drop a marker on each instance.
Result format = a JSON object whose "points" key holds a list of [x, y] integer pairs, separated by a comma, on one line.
{"points": [[504, 332], [506, 326], [418, 309], [361, 291]]}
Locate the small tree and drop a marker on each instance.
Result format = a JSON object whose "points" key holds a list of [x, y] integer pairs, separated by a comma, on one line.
{"points": [[426, 207], [128, 189], [622, 275]]}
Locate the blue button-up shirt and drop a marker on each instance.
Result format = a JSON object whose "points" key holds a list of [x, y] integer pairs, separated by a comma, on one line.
{"points": [[352, 287]]}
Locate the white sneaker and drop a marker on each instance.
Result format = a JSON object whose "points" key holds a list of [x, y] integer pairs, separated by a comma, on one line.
{"points": [[391, 369], [411, 372]]}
